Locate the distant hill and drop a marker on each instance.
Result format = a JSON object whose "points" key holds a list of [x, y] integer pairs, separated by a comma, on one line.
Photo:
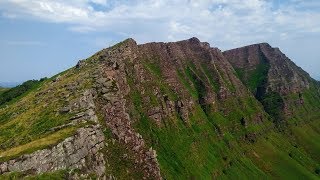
{"points": [[2, 89], [8, 94], [9, 84], [177, 110]]}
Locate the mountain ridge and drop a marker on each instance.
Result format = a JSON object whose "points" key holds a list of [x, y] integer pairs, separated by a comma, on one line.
{"points": [[166, 110]]}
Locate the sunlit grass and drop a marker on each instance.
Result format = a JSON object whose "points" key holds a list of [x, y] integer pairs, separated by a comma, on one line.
{"points": [[53, 138]]}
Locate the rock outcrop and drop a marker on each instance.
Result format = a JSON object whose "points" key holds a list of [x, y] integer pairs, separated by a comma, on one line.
{"points": [[283, 76], [80, 151], [112, 87]]}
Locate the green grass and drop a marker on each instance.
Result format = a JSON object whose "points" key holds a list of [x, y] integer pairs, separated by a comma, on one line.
{"points": [[211, 144], [274, 105], [308, 136], [306, 112], [120, 159], [187, 84], [19, 91], [56, 175], [258, 77], [193, 80], [211, 78], [281, 157], [155, 70], [2, 90], [42, 143], [254, 78], [29, 118], [194, 149]]}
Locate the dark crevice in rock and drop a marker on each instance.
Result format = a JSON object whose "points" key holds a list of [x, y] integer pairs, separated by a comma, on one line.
{"points": [[262, 86]]}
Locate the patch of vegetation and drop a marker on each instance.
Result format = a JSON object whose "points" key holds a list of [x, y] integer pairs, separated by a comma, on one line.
{"points": [[198, 141], [192, 81], [240, 73], [20, 126], [255, 79], [121, 161], [156, 72], [203, 139], [278, 155], [120, 44], [308, 138], [37, 144], [57, 175], [210, 75], [154, 68], [27, 121], [199, 86], [187, 84], [60, 174], [19, 90], [210, 144], [2, 90], [274, 105]]}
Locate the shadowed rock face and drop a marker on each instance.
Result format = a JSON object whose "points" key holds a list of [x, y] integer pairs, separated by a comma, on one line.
{"points": [[283, 75]]}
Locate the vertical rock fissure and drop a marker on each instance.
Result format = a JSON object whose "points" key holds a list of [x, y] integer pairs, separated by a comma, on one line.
{"points": [[262, 85]]}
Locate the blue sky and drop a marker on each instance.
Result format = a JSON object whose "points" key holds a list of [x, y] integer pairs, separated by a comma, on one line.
{"points": [[43, 37]]}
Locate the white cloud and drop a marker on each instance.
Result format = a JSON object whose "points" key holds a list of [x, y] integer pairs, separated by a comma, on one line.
{"points": [[222, 21], [100, 2]]}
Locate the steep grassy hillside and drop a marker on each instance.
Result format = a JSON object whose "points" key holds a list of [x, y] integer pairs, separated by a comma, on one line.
{"points": [[291, 97], [173, 110], [216, 140]]}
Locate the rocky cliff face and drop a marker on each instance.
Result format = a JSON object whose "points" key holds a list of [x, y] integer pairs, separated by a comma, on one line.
{"points": [[112, 87], [80, 151], [272, 77], [164, 111], [282, 75]]}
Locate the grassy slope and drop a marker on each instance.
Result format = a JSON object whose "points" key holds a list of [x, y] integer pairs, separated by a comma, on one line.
{"points": [[11, 94], [209, 145], [25, 122], [293, 153], [2, 90], [63, 174], [278, 163], [56, 175]]}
